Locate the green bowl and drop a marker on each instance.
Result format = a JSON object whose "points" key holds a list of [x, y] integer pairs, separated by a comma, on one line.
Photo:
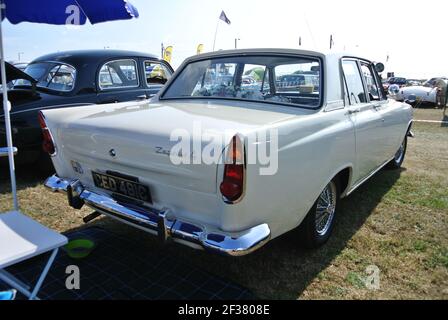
{"points": [[79, 248]]}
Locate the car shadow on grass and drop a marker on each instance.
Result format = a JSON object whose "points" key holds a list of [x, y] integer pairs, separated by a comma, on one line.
{"points": [[26, 176], [281, 269]]}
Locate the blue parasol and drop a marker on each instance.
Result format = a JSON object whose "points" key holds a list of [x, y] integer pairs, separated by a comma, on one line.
{"points": [[57, 12]]}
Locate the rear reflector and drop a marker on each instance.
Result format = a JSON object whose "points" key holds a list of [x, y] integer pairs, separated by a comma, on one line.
{"points": [[47, 142], [232, 185]]}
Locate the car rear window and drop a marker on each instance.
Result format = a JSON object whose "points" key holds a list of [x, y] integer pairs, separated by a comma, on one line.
{"points": [[50, 75], [291, 80]]}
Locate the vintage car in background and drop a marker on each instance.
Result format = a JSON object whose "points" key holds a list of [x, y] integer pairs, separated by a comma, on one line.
{"points": [[414, 82], [76, 78], [430, 92], [398, 81], [123, 160]]}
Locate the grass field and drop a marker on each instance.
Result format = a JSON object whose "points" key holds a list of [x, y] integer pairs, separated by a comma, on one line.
{"points": [[397, 222]]}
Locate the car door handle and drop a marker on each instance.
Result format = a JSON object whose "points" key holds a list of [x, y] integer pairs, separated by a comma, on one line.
{"points": [[352, 111], [145, 96], [106, 101]]}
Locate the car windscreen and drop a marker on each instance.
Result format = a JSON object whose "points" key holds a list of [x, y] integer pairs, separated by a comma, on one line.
{"points": [[291, 80], [49, 75]]}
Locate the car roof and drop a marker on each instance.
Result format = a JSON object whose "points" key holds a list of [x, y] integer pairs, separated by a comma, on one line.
{"points": [[77, 57], [322, 54]]}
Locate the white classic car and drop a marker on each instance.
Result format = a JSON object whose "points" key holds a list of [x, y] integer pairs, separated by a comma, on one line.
{"points": [[426, 93], [226, 167]]}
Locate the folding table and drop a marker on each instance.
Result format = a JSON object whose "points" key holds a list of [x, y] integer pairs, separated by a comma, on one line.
{"points": [[22, 238]]}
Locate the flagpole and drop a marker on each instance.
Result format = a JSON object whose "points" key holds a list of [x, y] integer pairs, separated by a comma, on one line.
{"points": [[7, 118], [216, 32]]}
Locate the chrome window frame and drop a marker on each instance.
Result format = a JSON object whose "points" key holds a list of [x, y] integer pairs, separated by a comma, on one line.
{"points": [[58, 63], [370, 66], [144, 73], [358, 66], [121, 87]]}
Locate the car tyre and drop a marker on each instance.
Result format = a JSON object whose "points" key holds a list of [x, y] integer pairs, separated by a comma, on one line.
{"points": [[318, 224], [398, 159]]}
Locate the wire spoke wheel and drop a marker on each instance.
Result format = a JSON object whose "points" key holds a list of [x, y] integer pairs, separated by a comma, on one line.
{"points": [[325, 209]]}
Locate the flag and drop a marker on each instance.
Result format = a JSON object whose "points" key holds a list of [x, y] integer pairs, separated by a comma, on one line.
{"points": [[167, 53], [224, 18], [200, 48]]}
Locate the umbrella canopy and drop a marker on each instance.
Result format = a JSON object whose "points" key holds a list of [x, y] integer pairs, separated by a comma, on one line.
{"points": [[58, 12]]}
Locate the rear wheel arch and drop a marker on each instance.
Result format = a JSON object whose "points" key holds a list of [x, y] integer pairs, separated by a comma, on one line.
{"points": [[409, 127], [344, 177]]}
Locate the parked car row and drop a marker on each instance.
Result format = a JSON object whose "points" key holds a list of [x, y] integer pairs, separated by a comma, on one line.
{"points": [[121, 160], [433, 91], [75, 79], [394, 81]]}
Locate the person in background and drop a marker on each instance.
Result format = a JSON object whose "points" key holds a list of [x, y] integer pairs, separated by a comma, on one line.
{"points": [[444, 106], [441, 85]]}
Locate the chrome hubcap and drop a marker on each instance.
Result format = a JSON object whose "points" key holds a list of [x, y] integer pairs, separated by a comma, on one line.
{"points": [[400, 153], [326, 207]]}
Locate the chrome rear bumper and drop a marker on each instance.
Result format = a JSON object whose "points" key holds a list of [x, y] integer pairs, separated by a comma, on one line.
{"points": [[163, 222]]}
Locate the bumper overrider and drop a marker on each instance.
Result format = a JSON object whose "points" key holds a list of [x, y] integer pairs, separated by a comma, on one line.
{"points": [[163, 222]]}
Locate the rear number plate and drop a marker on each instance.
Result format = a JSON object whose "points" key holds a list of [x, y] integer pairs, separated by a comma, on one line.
{"points": [[122, 186]]}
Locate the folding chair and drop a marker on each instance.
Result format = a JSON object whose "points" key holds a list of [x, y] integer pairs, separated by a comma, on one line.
{"points": [[22, 238]]}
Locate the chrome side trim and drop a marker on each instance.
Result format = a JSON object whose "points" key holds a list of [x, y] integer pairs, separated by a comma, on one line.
{"points": [[164, 223]]}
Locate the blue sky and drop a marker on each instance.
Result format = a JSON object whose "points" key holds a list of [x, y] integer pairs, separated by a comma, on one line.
{"points": [[409, 32]]}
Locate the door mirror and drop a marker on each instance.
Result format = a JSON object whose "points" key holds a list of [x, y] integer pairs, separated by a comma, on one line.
{"points": [[379, 67]]}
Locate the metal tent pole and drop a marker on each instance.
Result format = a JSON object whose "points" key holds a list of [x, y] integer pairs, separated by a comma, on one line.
{"points": [[7, 118]]}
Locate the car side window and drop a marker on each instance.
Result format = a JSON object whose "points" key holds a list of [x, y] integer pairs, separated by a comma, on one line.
{"points": [[61, 78], [369, 77], [118, 74], [354, 83], [156, 73]]}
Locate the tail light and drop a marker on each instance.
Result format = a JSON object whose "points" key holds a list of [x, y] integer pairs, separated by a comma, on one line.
{"points": [[48, 142], [232, 185]]}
